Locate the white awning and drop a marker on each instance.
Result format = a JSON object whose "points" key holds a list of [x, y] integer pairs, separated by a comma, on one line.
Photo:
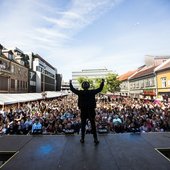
{"points": [[26, 97]]}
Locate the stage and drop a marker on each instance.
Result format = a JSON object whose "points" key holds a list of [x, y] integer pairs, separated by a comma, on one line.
{"points": [[114, 152]]}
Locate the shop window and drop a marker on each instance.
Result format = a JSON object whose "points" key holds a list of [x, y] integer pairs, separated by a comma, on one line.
{"points": [[3, 83]]}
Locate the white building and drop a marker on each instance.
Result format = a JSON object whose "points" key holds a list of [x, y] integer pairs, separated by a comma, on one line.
{"points": [[45, 73], [89, 73]]}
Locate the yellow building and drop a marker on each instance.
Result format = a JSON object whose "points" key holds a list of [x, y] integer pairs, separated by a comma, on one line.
{"points": [[163, 80]]}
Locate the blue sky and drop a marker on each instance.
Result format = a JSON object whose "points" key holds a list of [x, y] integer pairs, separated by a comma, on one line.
{"points": [[81, 34]]}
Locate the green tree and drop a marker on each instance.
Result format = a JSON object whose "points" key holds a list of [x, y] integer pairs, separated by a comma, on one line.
{"points": [[97, 82], [82, 79], [112, 82]]}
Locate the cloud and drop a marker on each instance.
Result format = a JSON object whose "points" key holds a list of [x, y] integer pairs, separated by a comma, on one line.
{"points": [[42, 20], [50, 28], [136, 24], [51, 33], [61, 23], [45, 27]]}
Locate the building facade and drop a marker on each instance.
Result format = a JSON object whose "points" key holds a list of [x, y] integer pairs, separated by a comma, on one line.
{"points": [[163, 81], [89, 73], [21, 73], [13, 75], [124, 85], [32, 75], [58, 82], [5, 72], [65, 86], [143, 83], [45, 73]]}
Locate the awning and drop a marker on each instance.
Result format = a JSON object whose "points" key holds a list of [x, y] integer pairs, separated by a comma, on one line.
{"points": [[6, 99]]}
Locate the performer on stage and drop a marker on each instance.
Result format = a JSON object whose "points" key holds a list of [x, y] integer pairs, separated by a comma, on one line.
{"points": [[87, 105]]}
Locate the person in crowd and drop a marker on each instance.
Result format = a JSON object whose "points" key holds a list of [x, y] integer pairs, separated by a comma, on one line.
{"points": [[56, 114], [28, 124], [21, 127], [69, 129], [87, 105], [88, 128], [103, 125], [1, 123], [117, 123], [13, 128], [37, 127], [77, 126]]}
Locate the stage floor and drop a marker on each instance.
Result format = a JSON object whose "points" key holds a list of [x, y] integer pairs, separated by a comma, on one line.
{"points": [[114, 152]]}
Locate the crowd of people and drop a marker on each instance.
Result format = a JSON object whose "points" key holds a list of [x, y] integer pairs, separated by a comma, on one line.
{"points": [[62, 116]]}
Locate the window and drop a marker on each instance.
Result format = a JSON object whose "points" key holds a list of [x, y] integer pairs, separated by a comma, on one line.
{"points": [[19, 71], [17, 84], [152, 82], [2, 65], [25, 73], [12, 83], [147, 83], [141, 84], [4, 83], [12, 69], [163, 79], [131, 86], [137, 84], [21, 84], [38, 68], [10, 56]]}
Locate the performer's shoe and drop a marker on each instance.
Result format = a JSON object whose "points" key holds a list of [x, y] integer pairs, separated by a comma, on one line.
{"points": [[96, 141], [82, 140]]}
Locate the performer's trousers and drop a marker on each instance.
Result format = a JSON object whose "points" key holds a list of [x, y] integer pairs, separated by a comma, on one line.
{"points": [[88, 114]]}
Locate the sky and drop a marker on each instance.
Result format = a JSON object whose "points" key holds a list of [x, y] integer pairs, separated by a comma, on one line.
{"points": [[73, 35]]}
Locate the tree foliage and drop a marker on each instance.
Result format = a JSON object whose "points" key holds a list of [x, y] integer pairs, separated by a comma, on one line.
{"points": [[82, 79], [111, 82]]}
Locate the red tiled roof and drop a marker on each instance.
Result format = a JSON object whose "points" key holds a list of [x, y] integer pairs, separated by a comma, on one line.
{"points": [[126, 75], [144, 72]]}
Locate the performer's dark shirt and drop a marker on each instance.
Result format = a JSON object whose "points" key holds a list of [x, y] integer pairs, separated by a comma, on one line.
{"points": [[86, 98]]}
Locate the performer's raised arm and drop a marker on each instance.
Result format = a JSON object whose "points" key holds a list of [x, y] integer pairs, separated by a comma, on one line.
{"points": [[100, 88], [73, 89]]}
